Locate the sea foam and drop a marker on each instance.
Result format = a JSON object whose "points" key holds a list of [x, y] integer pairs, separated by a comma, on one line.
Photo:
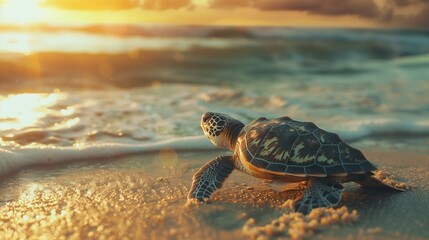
{"points": [[358, 130], [15, 159]]}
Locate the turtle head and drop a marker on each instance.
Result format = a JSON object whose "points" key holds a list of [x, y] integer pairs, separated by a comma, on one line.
{"points": [[221, 129]]}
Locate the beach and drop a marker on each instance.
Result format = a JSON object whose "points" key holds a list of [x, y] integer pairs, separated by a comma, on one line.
{"points": [[101, 141], [144, 196]]}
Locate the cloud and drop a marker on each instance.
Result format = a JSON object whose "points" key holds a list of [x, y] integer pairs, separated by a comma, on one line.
{"points": [[419, 20], [365, 8], [389, 12], [230, 3], [402, 3], [420, 17], [92, 4], [118, 4], [165, 4]]}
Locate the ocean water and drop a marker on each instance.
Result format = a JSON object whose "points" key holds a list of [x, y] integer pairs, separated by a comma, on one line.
{"points": [[89, 93]]}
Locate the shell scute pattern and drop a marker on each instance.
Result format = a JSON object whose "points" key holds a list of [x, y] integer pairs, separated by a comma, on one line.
{"points": [[300, 148], [328, 155], [277, 145], [326, 137], [349, 154], [335, 169], [297, 170], [276, 167], [304, 150], [353, 168], [260, 163], [302, 127], [257, 136], [281, 120], [315, 169]]}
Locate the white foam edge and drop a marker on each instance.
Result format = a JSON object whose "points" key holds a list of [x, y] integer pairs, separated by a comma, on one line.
{"points": [[12, 160], [358, 130]]}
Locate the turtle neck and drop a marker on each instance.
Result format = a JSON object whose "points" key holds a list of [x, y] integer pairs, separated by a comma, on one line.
{"points": [[234, 130]]}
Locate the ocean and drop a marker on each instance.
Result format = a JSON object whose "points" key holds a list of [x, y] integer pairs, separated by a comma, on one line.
{"points": [[88, 93], [81, 87]]}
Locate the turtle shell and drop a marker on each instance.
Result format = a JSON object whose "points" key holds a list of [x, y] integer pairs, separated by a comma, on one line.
{"points": [[288, 147]]}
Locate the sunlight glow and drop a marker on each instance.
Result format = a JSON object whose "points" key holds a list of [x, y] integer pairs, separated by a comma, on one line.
{"points": [[28, 12], [18, 42], [18, 111], [21, 11]]}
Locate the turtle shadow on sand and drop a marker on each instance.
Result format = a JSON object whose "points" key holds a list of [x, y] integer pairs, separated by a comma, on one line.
{"points": [[257, 210], [232, 216], [392, 214], [231, 207], [355, 195], [369, 200]]}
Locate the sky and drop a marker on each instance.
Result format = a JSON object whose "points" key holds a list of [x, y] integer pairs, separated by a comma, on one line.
{"points": [[300, 13]]}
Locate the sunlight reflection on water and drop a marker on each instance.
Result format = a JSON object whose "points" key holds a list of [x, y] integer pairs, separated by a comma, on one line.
{"points": [[18, 111], [33, 42]]}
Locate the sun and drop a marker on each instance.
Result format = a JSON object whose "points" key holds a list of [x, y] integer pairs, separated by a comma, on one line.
{"points": [[21, 12]]}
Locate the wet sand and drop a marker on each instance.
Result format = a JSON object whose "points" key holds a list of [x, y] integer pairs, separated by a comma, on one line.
{"points": [[144, 197]]}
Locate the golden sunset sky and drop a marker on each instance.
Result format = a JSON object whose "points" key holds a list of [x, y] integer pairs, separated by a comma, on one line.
{"points": [[301, 13]]}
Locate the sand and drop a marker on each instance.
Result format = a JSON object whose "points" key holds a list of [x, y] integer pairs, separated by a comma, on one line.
{"points": [[144, 197]]}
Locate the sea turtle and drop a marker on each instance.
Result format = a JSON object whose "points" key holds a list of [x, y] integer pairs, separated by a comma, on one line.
{"points": [[285, 150]]}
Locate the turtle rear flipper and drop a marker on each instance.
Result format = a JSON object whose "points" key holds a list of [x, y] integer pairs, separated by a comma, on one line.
{"points": [[370, 181], [210, 178], [319, 193]]}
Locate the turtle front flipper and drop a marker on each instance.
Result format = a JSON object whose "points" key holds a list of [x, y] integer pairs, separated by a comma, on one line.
{"points": [[319, 193], [210, 178]]}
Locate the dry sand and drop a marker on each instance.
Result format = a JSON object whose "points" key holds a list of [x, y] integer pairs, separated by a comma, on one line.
{"points": [[144, 197]]}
